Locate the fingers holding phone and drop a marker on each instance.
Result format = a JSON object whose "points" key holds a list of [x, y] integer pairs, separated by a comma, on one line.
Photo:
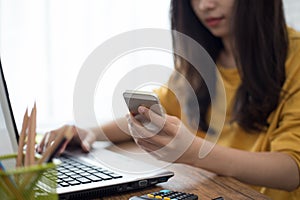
{"points": [[136, 99]]}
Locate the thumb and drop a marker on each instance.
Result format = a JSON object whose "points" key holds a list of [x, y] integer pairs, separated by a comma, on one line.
{"points": [[154, 118], [64, 146], [88, 140], [86, 147]]}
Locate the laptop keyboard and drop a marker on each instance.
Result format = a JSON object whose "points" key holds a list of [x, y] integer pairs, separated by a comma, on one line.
{"points": [[72, 172]]}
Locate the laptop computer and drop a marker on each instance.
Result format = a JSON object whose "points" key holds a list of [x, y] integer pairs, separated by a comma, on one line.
{"points": [[100, 173]]}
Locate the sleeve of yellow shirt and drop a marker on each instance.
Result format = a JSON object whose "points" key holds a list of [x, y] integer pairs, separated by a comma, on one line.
{"points": [[169, 101], [285, 122], [286, 137], [172, 106]]}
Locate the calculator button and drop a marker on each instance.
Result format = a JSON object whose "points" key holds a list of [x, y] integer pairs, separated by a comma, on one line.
{"points": [[158, 197], [150, 195], [165, 191], [167, 198]]}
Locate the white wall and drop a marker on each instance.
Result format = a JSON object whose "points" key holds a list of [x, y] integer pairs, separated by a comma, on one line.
{"points": [[44, 43], [292, 12]]}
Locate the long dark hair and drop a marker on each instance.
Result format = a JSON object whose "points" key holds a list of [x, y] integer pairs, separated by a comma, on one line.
{"points": [[260, 49]]}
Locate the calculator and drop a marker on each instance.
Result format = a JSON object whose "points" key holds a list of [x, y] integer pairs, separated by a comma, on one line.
{"points": [[166, 195]]}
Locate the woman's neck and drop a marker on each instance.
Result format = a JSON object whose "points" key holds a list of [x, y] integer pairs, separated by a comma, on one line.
{"points": [[226, 57]]}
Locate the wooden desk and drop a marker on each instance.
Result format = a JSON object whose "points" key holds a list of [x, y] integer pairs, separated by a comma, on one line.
{"points": [[189, 179]]}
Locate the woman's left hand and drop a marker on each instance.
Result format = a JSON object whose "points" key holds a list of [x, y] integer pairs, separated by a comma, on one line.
{"points": [[171, 142]]}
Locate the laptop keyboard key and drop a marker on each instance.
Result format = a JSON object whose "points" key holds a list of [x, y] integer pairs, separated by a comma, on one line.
{"points": [[64, 184], [69, 179], [86, 168], [83, 180], [115, 175], [70, 173], [85, 174], [94, 178], [103, 176], [74, 182], [63, 170], [93, 171], [76, 176], [79, 171]]}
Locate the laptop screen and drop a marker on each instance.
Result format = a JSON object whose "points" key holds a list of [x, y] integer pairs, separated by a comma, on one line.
{"points": [[8, 130]]}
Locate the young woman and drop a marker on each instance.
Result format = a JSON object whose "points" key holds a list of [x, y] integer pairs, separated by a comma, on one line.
{"points": [[257, 57]]}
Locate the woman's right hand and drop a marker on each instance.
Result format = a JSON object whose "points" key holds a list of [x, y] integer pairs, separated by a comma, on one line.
{"points": [[82, 138]]}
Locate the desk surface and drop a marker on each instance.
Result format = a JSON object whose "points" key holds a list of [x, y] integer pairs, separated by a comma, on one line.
{"points": [[189, 179]]}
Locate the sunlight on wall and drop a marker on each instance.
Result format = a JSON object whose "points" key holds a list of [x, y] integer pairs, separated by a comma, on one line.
{"points": [[44, 43]]}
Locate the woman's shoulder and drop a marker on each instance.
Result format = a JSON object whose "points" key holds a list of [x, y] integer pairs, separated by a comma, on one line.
{"points": [[293, 34], [293, 60], [169, 101], [294, 42]]}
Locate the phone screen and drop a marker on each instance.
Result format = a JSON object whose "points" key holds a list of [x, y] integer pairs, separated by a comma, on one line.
{"points": [[134, 99], [137, 98]]}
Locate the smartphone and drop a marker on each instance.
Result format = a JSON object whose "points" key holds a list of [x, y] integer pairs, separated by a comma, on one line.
{"points": [[136, 98], [150, 100]]}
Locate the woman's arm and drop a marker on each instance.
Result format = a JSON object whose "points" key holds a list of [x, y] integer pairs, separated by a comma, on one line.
{"points": [[114, 131], [175, 143], [269, 169]]}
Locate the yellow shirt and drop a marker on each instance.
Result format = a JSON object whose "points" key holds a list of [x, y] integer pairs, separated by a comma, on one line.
{"points": [[283, 134]]}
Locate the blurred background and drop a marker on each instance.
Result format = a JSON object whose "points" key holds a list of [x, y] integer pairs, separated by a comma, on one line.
{"points": [[44, 43]]}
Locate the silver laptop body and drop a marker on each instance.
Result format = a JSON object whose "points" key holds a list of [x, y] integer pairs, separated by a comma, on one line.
{"points": [[103, 172]]}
